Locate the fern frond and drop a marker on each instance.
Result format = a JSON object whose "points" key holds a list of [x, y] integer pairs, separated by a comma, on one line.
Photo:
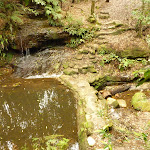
{"points": [[3, 16], [1, 4], [16, 18]]}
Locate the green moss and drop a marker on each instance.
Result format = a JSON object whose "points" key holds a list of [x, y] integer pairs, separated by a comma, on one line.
{"points": [[92, 70], [140, 102], [70, 71], [85, 51], [100, 83], [65, 65], [134, 53]]}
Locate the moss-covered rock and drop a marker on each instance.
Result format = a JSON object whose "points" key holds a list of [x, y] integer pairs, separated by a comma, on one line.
{"points": [[83, 71], [70, 71], [134, 53], [83, 51], [140, 102], [104, 49], [65, 65], [112, 102], [92, 70]]}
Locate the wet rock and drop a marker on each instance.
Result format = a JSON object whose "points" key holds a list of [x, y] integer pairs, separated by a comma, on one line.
{"points": [[112, 102], [140, 102], [91, 141], [70, 71], [36, 34], [106, 94], [122, 103], [134, 52]]}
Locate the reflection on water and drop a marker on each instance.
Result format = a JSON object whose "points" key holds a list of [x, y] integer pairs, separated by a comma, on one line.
{"points": [[36, 108]]}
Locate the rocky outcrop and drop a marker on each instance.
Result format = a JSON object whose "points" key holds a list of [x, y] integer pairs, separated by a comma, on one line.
{"points": [[36, 34]]}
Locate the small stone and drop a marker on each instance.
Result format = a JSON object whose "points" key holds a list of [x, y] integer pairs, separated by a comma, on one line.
{"points": [[79, 57], [91, 141], [112, 102], [106, 94], [122, 103]]}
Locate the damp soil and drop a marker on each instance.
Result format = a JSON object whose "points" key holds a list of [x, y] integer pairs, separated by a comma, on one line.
{"points": [[34, 108]]}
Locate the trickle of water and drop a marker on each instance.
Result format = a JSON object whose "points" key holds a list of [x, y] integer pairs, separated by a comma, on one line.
{"points": [[27, 52], [41, 62]]}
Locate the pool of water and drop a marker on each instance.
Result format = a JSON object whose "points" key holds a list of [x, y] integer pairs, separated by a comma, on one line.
{"points": [[32, 108]]}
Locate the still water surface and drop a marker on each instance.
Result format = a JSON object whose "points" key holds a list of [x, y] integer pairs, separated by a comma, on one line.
{"points": [[35, 108]]}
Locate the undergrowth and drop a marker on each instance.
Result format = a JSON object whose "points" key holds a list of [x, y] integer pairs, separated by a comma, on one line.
{"points": [[10, 15], [79, 33], [122, 63]]}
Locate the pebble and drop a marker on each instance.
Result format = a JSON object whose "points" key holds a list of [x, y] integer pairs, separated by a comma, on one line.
{"points": [[91, 141]]}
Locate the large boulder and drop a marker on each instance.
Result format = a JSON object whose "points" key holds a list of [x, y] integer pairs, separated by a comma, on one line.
{"points": [[140, 102]]}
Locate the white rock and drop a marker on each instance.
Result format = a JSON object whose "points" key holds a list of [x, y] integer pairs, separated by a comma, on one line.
{"points": [[91, 141], [122, 103]]}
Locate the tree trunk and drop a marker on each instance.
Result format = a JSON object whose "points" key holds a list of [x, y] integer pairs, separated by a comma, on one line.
{"points": [[92, 7]]}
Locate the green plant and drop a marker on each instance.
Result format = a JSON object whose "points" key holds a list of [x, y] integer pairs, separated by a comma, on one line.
{"points": [[78, 32], [52, 10], [11, 16], [143, 75], [106, 135], [52, 142], [142, 15], [108, 144], [148, 39], [124, 63]]}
